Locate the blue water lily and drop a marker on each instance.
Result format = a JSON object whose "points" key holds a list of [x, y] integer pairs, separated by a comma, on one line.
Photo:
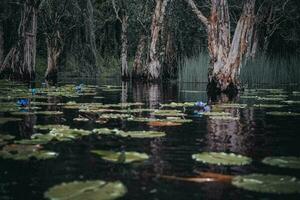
{"points": [[23, 102]]}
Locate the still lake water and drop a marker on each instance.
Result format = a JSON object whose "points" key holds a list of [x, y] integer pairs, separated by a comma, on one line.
{"points": [[255, 134]]}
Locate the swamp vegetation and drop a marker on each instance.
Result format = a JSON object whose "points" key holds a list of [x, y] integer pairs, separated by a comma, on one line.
{"points": [[154, 99]]}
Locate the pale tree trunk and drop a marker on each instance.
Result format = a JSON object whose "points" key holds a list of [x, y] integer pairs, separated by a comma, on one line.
{"points": [[54, 50], [124, 51], [153, 70], [1, 43], [19, 64], [137, 71], [227, 77], [226, 55], [122, 17], [89, 59]]}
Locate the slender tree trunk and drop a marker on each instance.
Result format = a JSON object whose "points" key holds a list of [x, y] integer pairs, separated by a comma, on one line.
{"points": [[90, 49], [124, 51], [1, 43], [154, 66], [54, 49], [137, 71], [19, 64]]}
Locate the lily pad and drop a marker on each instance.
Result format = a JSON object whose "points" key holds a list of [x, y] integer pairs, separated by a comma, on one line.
{"points": [[81, 119], [163, 124], [133, 134], [221, 158], [176, 105], [276, 184], [283, 161], [115, 116], [121, 157], [216, 114], [270, 99], [248, 97], [231, 105], [225, 118], [142, 134], [50, 127], [5, 138], [168, 119], [65, 134], [283, 114], [91, 190], [291, 102], [168, 113], [26, 152], [49, 113], [4, 120], [268, 106]]}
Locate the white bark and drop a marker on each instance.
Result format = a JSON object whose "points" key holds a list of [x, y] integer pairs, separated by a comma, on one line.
{"points": [[154, 66]]}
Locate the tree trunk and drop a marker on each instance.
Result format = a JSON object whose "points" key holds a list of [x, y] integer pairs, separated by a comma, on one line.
{"points": [[124, 51], [1, 44], [154, 67], [89, 59], [54, 49], [225, 56], [19, 64], [226, 77], [137, 71], [170, 58]]}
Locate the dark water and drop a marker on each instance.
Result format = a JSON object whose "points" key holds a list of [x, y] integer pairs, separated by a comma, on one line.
{"points": [[256, 135]]}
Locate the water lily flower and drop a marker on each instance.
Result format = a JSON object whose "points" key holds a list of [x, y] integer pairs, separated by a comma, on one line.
{"points": [[23, 102]]}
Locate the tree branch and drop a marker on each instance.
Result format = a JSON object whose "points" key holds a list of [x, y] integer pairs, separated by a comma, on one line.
{"points": [[199, 14], [116, 10]]}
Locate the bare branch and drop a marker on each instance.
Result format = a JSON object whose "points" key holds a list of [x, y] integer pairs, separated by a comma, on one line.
{"points": [[116, 10], [199, 14]]}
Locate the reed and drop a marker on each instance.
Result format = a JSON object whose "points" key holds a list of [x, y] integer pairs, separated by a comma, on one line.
{"points": [[262, 70]]}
